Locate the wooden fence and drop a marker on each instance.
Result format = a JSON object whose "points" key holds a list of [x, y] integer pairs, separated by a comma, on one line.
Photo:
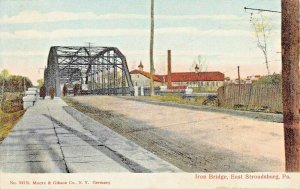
{"points": [[251, 96]]}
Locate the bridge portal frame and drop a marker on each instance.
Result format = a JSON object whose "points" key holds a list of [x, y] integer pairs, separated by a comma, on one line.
{"points": [[103, 69]]}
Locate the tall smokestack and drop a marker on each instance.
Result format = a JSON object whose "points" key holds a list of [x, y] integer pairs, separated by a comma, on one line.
{"points": [[169, 69]]}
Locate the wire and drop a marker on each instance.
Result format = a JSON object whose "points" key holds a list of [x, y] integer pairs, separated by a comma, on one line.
{"points": [[261, 10]]}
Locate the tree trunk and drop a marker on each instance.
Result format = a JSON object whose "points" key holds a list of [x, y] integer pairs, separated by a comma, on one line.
{"points": [[290, 82], [267, 62], [151, 50]]}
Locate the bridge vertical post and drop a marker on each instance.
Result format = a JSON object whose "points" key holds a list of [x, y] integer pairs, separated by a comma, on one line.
{"points": [[115, 75], [46, 78], [108, 79], [51, 70], [92, 78], [98, 79], [123, 81], [103, 80], [57, 78]]}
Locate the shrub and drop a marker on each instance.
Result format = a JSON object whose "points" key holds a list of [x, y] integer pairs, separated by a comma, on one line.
{"points": [[12, 102]]}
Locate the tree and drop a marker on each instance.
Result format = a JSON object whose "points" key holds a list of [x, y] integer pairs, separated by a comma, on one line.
{"points": [[40, 82], [4, 73], [151, 50], [262, 29], [274, 79], [201, 62]]}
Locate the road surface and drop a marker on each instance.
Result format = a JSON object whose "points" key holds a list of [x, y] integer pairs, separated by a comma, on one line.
{"points": [[193, 140]]}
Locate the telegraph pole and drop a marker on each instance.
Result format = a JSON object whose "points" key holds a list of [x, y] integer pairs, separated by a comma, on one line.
{"points": [[239, 77], [151, 50], [290, 82], [169, 70]]}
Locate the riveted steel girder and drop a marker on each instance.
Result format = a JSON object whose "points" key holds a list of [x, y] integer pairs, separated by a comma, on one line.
{"points": [[103, 69]]}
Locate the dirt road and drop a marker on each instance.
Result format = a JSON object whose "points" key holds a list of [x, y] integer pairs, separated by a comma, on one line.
{"points": [[192, 140]]}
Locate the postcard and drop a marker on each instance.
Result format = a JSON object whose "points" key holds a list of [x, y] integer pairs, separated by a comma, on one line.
{"points": [[149, 94]]}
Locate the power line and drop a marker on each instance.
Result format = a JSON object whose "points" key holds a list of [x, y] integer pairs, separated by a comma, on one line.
{"points": [[261, 10]]}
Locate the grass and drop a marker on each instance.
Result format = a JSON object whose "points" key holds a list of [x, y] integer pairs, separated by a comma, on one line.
{"points": [[201, 90], [176, 98], [8, 121]]}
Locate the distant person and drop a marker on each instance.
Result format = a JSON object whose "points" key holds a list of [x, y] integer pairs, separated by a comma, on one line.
{"points": [[43, 92], [65, 90], [75, 89], [52, 92]]}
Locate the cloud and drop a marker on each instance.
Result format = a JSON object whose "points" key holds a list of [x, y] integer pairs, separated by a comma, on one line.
{"points": [[224, 17], [26, 17], [131, 53], [194, 53], [23, 53], [70, 33], [79, 33], [198, 32], [39, 17]]}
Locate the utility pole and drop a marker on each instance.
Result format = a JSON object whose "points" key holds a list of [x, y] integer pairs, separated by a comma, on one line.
{"points": [[169, 70], [151, 50], [239, 78], [290, 82]]}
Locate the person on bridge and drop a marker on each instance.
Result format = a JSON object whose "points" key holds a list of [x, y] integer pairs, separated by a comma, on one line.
{"points": [[43, 92], [76, 89], [52, 92], [65, 90]]}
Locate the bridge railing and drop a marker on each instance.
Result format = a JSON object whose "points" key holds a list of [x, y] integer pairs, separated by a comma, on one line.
{"points": [[109, 91]]}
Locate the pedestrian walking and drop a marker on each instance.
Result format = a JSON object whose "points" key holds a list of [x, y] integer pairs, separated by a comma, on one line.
{"points": [[75, 90], [65, 90], [43, 92], [52, 92]]}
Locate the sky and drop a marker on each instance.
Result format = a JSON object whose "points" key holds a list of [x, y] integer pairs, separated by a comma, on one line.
{"points": [[218, 30]]}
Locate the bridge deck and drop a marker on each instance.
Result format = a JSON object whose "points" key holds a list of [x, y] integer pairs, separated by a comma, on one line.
{"points": [[48, 139]]}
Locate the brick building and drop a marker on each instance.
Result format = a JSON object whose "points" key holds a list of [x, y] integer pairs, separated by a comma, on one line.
{"points": [[208, 81]]}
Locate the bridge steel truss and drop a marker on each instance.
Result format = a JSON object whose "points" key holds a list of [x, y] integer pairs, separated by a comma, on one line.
{"points": [[103, 69]]}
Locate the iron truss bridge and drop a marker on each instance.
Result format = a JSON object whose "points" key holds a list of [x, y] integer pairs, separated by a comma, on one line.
{"points": [[98, 70]]}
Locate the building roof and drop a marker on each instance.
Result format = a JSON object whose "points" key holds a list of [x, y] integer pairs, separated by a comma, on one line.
{"points": [[201, 76], [146, 74], [185, 76]]}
